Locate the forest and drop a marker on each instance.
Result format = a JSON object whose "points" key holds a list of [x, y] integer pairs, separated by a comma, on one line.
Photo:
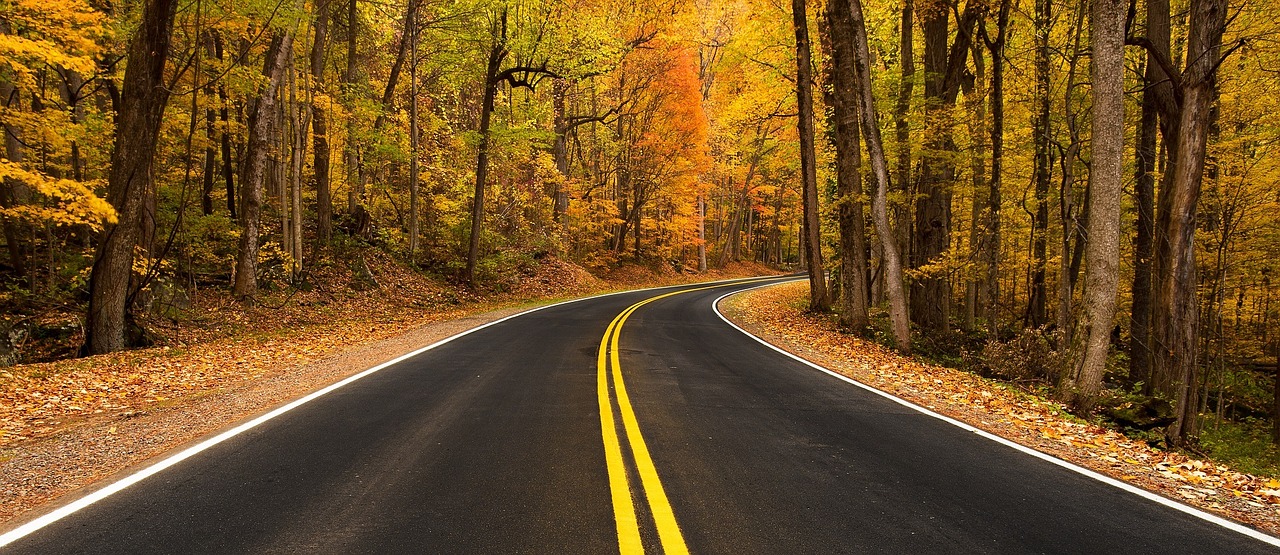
{"points": [[1077, 197]]}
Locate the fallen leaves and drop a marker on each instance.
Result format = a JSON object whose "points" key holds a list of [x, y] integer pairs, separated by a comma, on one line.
{"points": [[1006, 411]]}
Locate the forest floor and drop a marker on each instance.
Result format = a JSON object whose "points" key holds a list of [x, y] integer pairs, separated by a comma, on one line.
{"points": [[67, 424], [777, 315]]}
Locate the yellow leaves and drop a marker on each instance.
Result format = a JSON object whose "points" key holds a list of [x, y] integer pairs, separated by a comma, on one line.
{"points": [[61, 34], [73, 202]]}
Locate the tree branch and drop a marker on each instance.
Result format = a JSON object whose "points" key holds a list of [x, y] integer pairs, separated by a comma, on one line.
{"points": [[1166, 65]]}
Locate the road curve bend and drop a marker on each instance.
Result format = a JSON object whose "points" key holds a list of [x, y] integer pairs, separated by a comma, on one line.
{"points": [[634, 422]]}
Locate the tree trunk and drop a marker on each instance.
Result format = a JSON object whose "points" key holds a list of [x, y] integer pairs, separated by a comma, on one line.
{"points": [[10, 189], [254, 167], [320, 131], [351, 151], [844, 111], [975, 99], [1175, 322], [1037, 311], [880, 179], [497, 53], [944, 71], [560, 148], [702, 233], [1072, 226], [902, 127], [819, 301], [1107, 32], [411, 27], [992, 254], [144, 96]]}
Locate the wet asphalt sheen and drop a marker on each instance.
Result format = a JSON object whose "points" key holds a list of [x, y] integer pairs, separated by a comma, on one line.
{"points": [[492, 444]]}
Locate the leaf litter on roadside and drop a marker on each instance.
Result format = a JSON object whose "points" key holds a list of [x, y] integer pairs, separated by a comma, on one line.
{"points": [[998, 408]]}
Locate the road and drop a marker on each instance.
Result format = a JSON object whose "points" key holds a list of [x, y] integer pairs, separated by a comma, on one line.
{"points": [[496, 442]]}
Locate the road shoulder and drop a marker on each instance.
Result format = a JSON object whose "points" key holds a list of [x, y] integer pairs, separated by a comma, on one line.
{"points": [[774, 314]]}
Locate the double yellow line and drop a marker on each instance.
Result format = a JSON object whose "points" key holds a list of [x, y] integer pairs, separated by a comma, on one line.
{"points": [[608, 363]]}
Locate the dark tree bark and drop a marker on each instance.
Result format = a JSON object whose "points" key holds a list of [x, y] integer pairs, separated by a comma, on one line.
{"points": [[211, 148], [497, 53], [880, 180], [944, 71], [254, 168], [355, 185], [902, 127], [143, 100], [854, 290], [1143, 246], [992, 254], [1037, 311], [1175, 321], [819, 300], [411, 28], [1158, 111], [224, 116], [975, 99], [11, 189], [320, 131]]}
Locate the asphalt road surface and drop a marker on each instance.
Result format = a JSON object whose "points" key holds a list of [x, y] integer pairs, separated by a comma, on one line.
{"points": [[520, 438]]}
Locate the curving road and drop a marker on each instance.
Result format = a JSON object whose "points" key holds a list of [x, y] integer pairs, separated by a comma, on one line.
{"points": [[614, 424]]}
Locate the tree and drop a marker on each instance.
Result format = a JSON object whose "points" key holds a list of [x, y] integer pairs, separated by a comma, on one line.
{"points": [[320, 128], [880, 179], [854, 293], [1102, 273], [253, 170], [819, 301], [495, 76], [944, 68], [144, 95]]}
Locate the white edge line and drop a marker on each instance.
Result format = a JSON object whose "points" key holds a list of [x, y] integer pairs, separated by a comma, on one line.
{"points": [[115, 487], [1209, 517]]}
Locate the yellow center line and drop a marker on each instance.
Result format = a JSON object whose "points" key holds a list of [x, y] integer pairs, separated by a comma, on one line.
{"points": [[651, 485], [624, 511]]}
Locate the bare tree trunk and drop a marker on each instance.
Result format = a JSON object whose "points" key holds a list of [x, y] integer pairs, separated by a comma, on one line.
{"points": [[144, 96], [819, 301], [300, 120], [1072, 227], [844, 111], [254, 167], [944, 71], [411, 27], [1037, 304], [992, 255], [320, 131], [976, 101], [10, 189], [224, 116], [497, 53], [1102, 273], [1175, 321], [902, 127], [351, 151], [880, 180], [702, 233], [1144, 188]]}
